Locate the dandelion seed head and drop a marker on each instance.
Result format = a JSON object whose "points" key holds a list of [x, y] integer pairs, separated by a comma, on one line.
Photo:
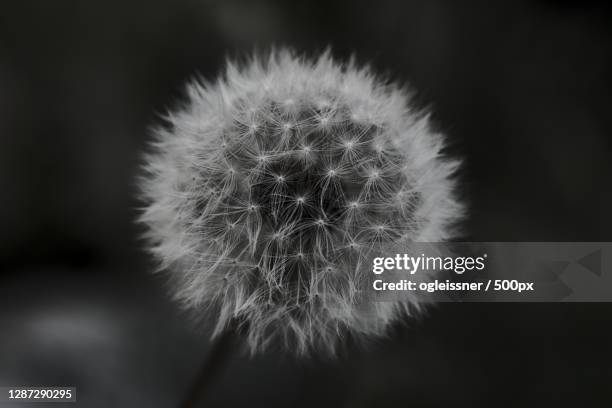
{"points": [[259, 186]]}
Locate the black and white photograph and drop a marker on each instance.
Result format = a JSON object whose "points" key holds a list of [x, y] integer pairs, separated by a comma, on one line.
{"points": [[305, 204]]}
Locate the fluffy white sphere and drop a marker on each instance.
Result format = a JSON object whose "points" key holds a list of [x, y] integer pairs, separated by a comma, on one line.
{"points": [[271, 186]]}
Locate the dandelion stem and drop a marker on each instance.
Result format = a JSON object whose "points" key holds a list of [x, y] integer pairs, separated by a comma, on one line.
{"points": [[213, 365]]}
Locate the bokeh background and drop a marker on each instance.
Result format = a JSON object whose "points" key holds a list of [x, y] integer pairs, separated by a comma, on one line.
{"points": [[521, 88]]}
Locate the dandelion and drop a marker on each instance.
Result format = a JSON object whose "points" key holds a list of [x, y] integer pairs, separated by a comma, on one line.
{"points": [[267, 191]]}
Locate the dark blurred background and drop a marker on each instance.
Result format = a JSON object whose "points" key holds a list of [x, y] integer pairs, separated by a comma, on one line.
{"points": [[521, 88]]}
